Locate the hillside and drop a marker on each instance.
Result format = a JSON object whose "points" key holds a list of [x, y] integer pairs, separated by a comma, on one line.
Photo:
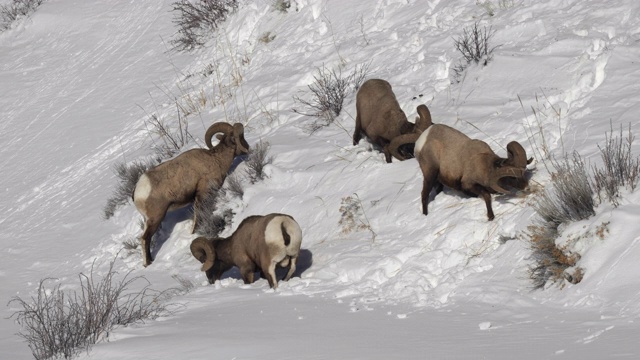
{"points": [[80, 82]]}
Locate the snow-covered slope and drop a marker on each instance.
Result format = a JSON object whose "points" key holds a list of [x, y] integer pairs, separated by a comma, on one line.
{"points": [[79, 79]]}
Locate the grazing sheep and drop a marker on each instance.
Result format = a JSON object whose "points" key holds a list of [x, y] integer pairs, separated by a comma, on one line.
{"points": [[448, 157], [380, 118], [260, 242], [187, 178]]}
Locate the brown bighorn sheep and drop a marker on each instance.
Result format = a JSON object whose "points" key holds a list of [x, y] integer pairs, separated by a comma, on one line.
{"points": [[380, 118], [259, 241], [187, 178], [449, 157]]}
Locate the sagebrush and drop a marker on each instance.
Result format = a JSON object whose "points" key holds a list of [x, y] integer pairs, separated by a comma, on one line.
{"points": [[172, 138], [619, 169], [257, 160], [198, 20], [353, 216], [572, 197], [474, 47], [60, 323], [212, 216], [128, 175], [328, 91], [16, 9]]}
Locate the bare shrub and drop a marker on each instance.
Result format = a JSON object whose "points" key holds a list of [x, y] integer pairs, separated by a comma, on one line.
{"points": [[61, 323], [619, 169], [329, 89], [172, 139], [212, 218], [281, 5], [128, 175], [474, 46], [571, 197], [198, 20], [550, 261], [490, 8], [186, 285], [233, 184], [258, 159], [131, 244], [353, 217], [267, 37], [15, 10]]}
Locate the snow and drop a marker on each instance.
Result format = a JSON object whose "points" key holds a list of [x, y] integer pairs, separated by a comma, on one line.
{"points": [[79, 79]]}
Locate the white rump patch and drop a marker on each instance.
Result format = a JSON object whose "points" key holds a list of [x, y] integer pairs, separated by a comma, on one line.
{"points": [[273, 233], [143, 188], [420, 142]]}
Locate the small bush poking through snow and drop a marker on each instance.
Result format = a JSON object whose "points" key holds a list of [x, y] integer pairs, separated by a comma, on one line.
{"points": [[15, 10], [490, 8], [212, 220], [186, 285], [474, 46], [570, 199], [173, 139], [620, 168], [234, 185], [128, 175], [550, 261], [60, 323], [197, 20], [281, 5], [329, 90], [353, 217], [258, 159]]}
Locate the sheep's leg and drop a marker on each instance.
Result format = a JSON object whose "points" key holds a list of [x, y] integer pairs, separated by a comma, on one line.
{"points": [[430, 179], [487, 200], [486, 196], [151, 225], [292, 267], [357, 133], [271, 275], [437, 188], [246, 271]]}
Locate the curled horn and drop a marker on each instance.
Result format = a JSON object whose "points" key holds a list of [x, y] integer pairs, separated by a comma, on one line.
{"points": [[238, 134], [517, 155], [424, 119], [202, 249], [399, 141], [507, 171], [219, 127]]}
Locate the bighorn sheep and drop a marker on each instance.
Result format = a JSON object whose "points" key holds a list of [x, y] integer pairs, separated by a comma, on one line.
{"points": [[380, 118], [259, 241], [187, 178], [448, 157]]}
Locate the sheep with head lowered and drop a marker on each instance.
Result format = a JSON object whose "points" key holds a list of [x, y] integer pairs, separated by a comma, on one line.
{"points": [[448, 157], [380, 118], [259, 242], [188, 177]]}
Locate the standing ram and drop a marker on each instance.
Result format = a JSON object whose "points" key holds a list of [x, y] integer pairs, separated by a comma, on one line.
{"points": [[188, 177], [449, 157], [260, 242], [380, 118]]}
